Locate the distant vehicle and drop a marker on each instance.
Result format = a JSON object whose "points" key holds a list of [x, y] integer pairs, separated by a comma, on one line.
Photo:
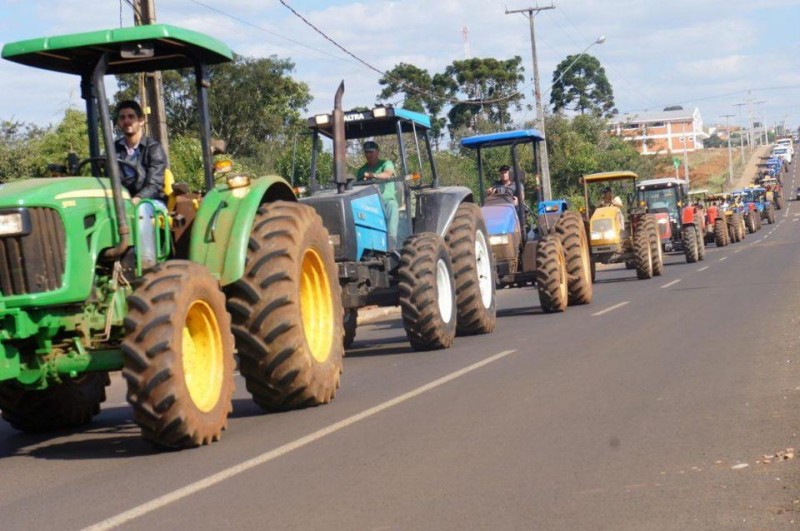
{"points": [[782, 152]]}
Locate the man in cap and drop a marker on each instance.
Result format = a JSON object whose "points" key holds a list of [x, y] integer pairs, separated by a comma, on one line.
{"points": [[504, 184], [377, 169]]}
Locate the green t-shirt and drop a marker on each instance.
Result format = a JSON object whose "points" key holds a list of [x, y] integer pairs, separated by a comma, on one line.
{"points": [[387, 189]]}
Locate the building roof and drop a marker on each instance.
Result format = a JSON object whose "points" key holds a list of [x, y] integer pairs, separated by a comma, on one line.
{"points": [[656, 116]]}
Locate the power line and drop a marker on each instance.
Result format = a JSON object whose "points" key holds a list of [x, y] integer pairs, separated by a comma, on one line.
{"points": [[410, 88]]}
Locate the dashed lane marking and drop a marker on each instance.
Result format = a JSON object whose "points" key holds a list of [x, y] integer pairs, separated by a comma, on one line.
{"points": [[703, 268], [611, 308], [668, 284], [723, 258], [244, 466]]}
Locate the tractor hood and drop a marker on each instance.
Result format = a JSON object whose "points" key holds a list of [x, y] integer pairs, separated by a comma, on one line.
{"points": [[54, 192]]}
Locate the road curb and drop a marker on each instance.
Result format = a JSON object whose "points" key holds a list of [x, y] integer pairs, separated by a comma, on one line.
{"points": [[369, 314]]}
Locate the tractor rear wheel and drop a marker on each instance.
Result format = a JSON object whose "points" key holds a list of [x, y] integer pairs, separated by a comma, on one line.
{"points": [[701, 245], [751, 222], [350, 324], [427, 292], [690, 244], [594, 271], [721, 233], [778, 202], [572, 234], [770, 214], [473, 269], [178, 356], [287, 310], [655, 245], [742, 228], [69, 404], [551, 275], [643, 254]]}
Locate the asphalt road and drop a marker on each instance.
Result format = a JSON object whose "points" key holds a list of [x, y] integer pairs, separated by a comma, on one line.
{"points": [[639, 411]]}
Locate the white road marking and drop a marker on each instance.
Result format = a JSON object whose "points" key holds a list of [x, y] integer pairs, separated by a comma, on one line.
{"points": [[795, 219], [611, 308], [723, 258], [738, 251], [197, 486], [703, 268], [668, 284]]}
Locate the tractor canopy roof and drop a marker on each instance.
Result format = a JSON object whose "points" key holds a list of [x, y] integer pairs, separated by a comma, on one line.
{"points": [[610, 176], [506, 138], [666, 182], [380, 121], [699, 191], [133, 49]]}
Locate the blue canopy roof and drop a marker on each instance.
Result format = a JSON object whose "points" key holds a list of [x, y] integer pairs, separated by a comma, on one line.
{"points": [[379, 121], [506, 138]]}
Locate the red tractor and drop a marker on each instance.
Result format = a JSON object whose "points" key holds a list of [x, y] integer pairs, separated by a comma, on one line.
{"points": [[716, 228], [681, 224]]}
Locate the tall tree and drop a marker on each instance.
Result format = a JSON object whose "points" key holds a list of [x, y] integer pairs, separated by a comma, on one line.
{"points": [[489, 86], [420, 92], [582, 86]]}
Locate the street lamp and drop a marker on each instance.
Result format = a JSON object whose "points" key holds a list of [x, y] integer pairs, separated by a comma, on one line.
{"points": [[544, 159], [600, 40]]}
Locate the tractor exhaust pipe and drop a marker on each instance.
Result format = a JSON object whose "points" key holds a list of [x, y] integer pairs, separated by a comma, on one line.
{"points": [[339, 143]]}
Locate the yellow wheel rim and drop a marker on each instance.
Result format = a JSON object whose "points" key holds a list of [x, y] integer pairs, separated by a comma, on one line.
{"points": [[316, 306], [202, 356]]}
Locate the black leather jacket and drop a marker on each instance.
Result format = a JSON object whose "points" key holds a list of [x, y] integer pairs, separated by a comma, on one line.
{"points": [[149, 181]]}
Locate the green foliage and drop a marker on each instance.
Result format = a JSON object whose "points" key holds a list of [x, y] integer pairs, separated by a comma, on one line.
{"points": [[186, 161], [294, 162], [580, 84]]}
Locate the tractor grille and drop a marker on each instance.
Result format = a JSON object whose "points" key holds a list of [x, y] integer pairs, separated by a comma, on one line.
{"points": [[34, 263]]}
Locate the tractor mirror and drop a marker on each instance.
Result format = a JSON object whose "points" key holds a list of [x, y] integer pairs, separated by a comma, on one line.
{"points": [[137, 51], [72, 163]]}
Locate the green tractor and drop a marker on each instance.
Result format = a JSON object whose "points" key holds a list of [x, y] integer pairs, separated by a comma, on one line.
{"points": [[242, 269]]}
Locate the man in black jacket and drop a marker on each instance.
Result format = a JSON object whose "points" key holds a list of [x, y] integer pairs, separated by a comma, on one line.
{"points": [[143, 152], [147, 181]]}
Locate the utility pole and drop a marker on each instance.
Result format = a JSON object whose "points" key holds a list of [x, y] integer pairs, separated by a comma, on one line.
{"points": [[763, 124], [151, 86], [730, 155], [544, 161], [685, 155], [741, 131], [750, 121]]}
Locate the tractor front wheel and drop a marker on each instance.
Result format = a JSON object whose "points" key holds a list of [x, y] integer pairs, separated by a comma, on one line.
{"points": [[720, 233], [572, 234], [287, 310], [427, 292], [178, 356], [701, 245], [770, 214], [69, 404], [551, 275], [643, 254], [473, 270]]}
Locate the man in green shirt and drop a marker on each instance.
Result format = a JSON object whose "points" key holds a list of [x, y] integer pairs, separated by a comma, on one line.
{"points": [[377, 169]]}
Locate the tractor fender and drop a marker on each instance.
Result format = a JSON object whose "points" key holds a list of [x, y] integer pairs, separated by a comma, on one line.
{"points": [[687, 215], [713, 214], [437, 207], [221, 230]]}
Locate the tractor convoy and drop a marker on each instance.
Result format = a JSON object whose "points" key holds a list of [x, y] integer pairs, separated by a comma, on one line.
{"points": [[248, 275]]}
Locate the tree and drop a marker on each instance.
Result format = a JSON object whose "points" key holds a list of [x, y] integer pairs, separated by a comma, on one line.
{"points": [[420, 92], [580, 84], [489, 86]]}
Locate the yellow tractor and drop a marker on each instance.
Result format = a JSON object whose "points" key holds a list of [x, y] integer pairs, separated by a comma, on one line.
{"points": [[620, 229]]}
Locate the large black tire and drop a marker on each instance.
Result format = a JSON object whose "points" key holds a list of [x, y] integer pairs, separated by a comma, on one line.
{"points": [[643, 254], [752, 225], [551, 275], [69, 404], [350, 324], [770, 214], [427, 292], [778, 202], [178, 356], [690, 248], [701, 245], [287, 310], [655, 245], [594, 271], [473, 270], [572, 234], [742, 228], [721, 236]]}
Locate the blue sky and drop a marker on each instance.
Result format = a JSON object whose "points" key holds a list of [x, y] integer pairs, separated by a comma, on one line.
{"points": [[704, 53]]}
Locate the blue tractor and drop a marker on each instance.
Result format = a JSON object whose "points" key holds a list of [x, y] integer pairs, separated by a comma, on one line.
{"points": [[553, 252], [403, 240]]}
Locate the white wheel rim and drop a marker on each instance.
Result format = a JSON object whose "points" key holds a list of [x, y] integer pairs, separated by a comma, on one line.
{"points": [[444, 291], [483, 265]]}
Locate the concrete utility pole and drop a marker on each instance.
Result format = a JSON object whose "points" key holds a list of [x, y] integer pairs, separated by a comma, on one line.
{"points": [[151, 86], [544, 161], [686, 155], [750, 122], [741, 131], [763, 123], [730, 155]]}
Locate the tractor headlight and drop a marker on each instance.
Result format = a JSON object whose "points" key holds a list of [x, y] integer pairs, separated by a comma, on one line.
{"points": [[603, 229], [322, 119], [663, 221], [13, 224], [498, 240], [379, 112]]}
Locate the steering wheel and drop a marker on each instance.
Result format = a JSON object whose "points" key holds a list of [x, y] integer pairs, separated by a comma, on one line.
{"points": [[102, 163]]}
